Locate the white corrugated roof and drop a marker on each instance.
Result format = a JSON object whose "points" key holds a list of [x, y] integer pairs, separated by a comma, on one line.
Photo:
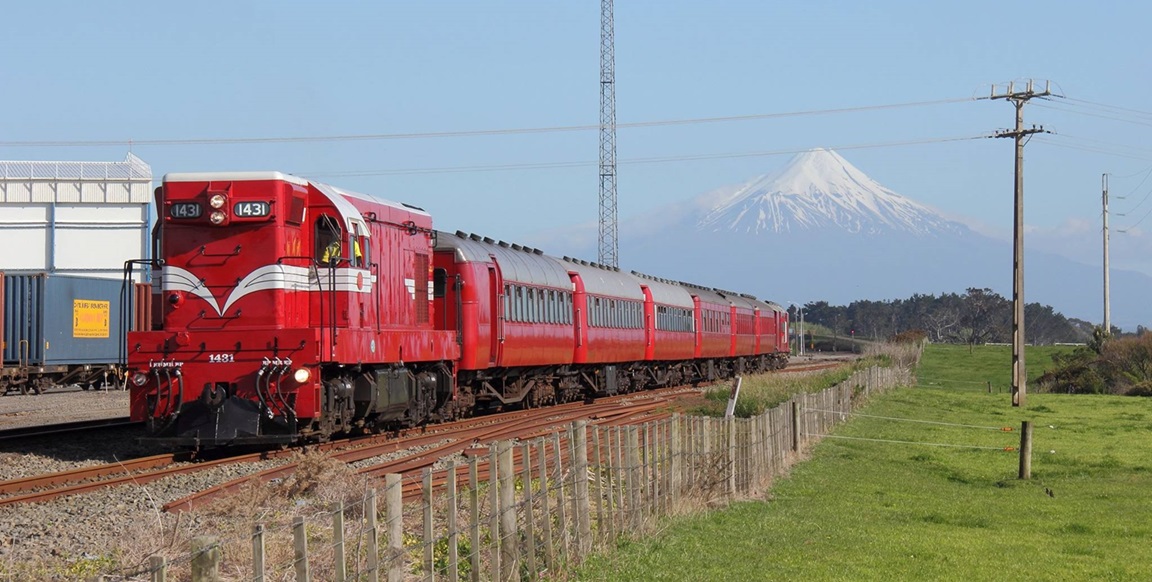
{"points": [[127, 182]]}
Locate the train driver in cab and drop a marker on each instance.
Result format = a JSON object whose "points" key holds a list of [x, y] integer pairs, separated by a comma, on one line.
{"points": [[328, 236]]}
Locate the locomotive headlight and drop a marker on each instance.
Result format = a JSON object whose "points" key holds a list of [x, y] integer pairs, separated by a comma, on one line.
{"points": [[140, 378], [217, 201], [302, 375], [217, 217]]}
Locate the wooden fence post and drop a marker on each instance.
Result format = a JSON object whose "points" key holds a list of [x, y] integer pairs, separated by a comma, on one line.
{"points": [[730, 456], [509, 534], [206, 556], [300, 548], [545, 506], [634, 485], [158, 566], [340, 566], [474, 513], [597, 486], [1026, 450], [646, 481], [561, 511], [795, 424], [453, 534], [258, 553], [394, 520], [494, 509], [429, 533], [529, 511], [572, 500], [675, 462], [580, 476], [622, 480], [373, 536]]}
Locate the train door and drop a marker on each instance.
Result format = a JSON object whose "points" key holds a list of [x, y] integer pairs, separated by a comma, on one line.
{"points": [[757, 345], [649, 328], [579, 318], [496, 308]]}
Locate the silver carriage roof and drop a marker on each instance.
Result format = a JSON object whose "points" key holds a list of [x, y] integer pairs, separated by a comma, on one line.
{"points": [[606, 281], [666, 292], [517, 263]]}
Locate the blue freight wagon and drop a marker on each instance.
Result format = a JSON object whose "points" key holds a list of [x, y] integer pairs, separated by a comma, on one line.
{"points": [[63, 329]]}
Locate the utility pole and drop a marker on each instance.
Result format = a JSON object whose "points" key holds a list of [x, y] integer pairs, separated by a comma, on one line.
{"points": [[1019, 98], [1107, 293], [609, 250]]}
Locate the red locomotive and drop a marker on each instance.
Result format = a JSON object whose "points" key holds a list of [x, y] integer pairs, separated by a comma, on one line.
{"points": [[293, 310]]}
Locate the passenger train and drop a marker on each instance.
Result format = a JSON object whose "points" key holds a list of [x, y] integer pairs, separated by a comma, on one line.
{"points": [[293, 311]]}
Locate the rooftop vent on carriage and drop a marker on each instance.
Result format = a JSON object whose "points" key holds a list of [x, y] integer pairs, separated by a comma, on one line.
{"points": [[538, 251], [475, 237], [517, 247], [489, 240], [504, 244], [461, 234]]}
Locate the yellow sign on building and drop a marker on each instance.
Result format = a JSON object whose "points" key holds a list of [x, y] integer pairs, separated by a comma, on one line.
{"points": [[90, 318]]}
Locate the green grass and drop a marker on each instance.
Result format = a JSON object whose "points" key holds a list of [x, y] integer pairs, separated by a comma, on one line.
{"points": [[879, 510], [764, 391], [971, 368]]}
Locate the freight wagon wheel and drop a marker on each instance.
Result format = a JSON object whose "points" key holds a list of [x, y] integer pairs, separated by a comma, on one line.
{"points": [[39, 385]]}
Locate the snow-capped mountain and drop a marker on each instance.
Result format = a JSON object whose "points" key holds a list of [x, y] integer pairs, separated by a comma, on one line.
{"points": [[821, 229], [818, 189]]}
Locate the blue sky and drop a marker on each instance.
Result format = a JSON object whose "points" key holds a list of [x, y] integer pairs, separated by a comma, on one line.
{"points": [[149, 71]]}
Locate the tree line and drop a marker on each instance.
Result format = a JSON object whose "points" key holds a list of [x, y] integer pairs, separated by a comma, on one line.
{"points": [[977, 316]]}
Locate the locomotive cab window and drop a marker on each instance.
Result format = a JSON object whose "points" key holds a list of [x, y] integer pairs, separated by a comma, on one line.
{"points": [[327, 240]]}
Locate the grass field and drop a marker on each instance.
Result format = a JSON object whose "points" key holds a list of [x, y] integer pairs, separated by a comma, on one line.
{"points": [[922, 489], [971, 368]]}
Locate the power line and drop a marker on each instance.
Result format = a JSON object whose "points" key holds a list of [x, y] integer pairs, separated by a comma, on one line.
{"points": [[836, 436], [936, 422], [1107, 106], [1109, 144], [468, 133], [1097, 115], [632, 161], [1099, 150]]}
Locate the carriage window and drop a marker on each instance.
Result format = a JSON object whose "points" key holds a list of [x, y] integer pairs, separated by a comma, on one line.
{"points": [[520, 303], [507, 302]]}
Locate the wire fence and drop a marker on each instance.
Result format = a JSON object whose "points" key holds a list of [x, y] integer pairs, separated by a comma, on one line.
{"points": [[530, 509]]}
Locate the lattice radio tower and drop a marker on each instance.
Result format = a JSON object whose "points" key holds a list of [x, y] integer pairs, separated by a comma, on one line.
{"points": [[609, 253]]}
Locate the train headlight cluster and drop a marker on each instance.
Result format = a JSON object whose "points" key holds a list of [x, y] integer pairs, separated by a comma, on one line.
{"points": [[302, 375], [217, 217], [217, 201]]}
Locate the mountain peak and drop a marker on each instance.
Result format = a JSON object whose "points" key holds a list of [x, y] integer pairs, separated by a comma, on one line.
{"points": [[818, 189], [821, 170]]}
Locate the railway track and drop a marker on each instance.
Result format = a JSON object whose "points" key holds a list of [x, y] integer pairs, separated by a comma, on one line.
{"points": [[425, 450], [25, 432], [410, 451], [432, 442]]}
